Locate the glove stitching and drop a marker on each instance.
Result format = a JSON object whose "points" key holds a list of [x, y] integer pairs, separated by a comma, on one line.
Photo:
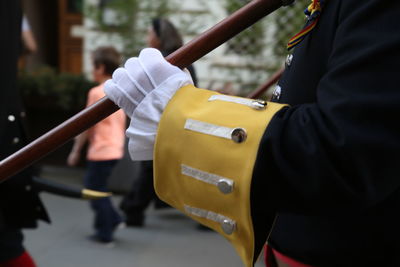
{"points": [[147, 74], [126, 94], [139, 87]]}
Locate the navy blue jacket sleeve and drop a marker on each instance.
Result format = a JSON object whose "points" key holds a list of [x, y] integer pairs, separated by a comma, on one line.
{"points": [[338, 152]]}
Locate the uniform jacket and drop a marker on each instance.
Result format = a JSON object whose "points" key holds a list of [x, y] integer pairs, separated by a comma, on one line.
{"points": [[329, 164], [19, 203]]}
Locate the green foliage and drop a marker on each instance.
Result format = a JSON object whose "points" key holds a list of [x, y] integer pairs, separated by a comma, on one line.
{"points": [[156, 8], [125, 19], [117, 16], [289, 21], [46, 87], [249, 45], [249, 42], [75, 6]]}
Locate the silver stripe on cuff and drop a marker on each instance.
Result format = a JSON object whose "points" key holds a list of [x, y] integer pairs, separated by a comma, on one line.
{"points": [[237, 100], [225, 185], [227, 224], [209, 215], [208, 128], [254, 104]]}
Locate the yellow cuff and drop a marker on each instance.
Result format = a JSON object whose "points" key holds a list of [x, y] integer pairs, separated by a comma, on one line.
{"points": [[205, 151]]}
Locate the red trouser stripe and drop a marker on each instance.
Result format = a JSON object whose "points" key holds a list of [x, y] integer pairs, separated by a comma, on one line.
{"points": [[272, 256], [25, 260]]}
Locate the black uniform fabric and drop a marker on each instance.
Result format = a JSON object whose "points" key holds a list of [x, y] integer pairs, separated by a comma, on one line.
{"points": [[11, 244], [19, 204], [329, 165]]}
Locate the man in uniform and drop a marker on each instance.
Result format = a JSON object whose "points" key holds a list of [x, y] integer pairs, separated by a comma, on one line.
{"points": [[20, 206], [325, 161]]}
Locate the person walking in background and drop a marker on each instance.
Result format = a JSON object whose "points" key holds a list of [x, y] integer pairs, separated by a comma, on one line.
{"points": [[105, 148], [28, 43], [163, 35]]}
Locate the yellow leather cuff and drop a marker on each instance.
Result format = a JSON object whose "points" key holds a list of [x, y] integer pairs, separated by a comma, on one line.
{"points": [[205, 151]]}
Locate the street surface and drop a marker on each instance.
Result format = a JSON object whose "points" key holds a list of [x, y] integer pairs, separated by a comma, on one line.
{"points": [[169, 239]]}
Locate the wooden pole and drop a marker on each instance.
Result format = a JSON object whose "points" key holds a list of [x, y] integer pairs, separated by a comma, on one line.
{"points": [[183, 57], [263, 88]]}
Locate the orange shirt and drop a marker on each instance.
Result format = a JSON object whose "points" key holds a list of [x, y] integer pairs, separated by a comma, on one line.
{"points": [[106, 138]]}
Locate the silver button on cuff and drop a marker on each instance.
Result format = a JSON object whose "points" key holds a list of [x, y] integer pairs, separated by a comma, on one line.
{"points": [[228, 227], [239, 135], [289, 60], [277, 93], [11, 117], [225, 186], [259, 104], [15, 140]]}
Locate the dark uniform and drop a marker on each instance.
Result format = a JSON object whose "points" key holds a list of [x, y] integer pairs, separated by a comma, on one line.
{"points": [[20, 206], [328, 164], [332, 159]]}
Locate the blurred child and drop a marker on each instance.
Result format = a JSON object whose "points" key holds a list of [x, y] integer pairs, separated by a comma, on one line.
{"points": [[105, 147]]}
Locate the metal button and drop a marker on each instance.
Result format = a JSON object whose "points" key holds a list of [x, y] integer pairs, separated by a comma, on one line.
{"points": [[225, 186], [289, 60], [259, 104], [11, 117], [239, 135], [15, 140], [228, 227], [277, 93]]}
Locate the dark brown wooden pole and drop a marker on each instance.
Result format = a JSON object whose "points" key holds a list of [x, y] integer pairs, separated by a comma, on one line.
{"points": [[183, 57], [263, 88]]}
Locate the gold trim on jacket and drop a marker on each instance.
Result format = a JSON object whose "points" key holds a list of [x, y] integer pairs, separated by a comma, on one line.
{"points": [[205, 152]]}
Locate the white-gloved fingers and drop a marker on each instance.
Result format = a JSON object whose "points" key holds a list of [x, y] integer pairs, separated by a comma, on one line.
{"points": [[120, 98], [142, 89], [138, 76], [156, 67], [130, 86], [143, 127], [144, 123]]}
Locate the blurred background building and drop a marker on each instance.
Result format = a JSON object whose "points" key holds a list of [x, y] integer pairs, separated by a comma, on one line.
{"points": [[56, 26], [54, 79], [67, 30], [243, 63]]}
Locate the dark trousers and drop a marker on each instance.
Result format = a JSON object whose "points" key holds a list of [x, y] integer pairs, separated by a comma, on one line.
{"points": [[106, 217], [10, 244], [142, 193]]}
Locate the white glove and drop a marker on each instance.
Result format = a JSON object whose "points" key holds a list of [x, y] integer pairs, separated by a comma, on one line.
{"points": [[142, 89]]}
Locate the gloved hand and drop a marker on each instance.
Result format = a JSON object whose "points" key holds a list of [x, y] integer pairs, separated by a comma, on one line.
{"points": [[142, 89], [140, 75]]}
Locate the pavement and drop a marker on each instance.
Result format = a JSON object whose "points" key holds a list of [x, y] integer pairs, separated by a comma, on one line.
{"points": [[169, 239]]}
